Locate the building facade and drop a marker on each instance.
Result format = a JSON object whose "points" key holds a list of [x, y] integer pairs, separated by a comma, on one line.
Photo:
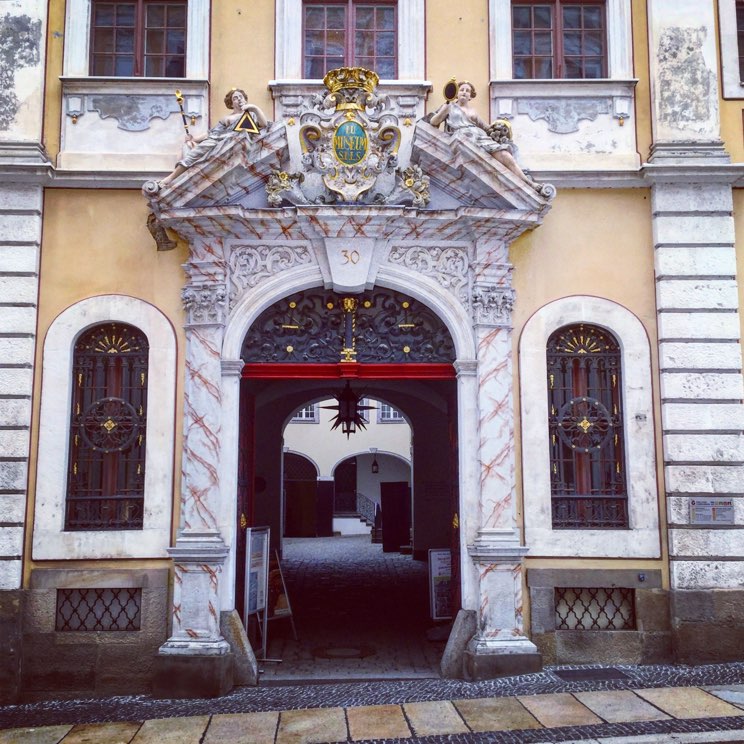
{"points": [[565, 343]]}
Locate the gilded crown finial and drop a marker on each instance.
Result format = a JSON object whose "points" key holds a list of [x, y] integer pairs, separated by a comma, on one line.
{"points": [[351, 77]]}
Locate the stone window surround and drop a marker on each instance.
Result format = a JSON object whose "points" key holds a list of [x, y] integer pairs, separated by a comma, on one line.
{"points": [[77, 41], [642, 539], [50, 541], [733, 86], [617, 88], [411, 40]]}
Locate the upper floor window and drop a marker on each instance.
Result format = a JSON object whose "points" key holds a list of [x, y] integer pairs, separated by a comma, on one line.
{"points": [[351, 34], [559, 39], [388, 414], [138, 38], [106, 466], [306, 414], [587, 471]]}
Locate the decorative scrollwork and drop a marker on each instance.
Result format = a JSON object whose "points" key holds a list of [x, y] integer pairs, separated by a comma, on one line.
{"points": [[584, 424], [110, 425], [492, 305], [318, 326], [448, 266], [204, 303], [252, 264]]}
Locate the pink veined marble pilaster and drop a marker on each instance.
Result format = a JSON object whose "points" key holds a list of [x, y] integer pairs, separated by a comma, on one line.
{"points": [[202, 423], [496, 412]]}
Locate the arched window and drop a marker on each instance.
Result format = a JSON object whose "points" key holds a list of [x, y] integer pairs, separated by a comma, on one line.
{"points": [[587, 471], [106, 466]]}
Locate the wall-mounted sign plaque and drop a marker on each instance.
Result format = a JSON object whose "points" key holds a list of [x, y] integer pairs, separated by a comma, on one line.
{"points": [[711, 511]]}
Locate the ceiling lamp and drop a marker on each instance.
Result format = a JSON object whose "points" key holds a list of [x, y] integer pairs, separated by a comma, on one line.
{"points": [[349, 414]]}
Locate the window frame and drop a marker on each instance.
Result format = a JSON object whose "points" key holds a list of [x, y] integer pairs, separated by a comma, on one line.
{"points": [[732, 81], [78, 35], [619, 44], [558, 55], [50, 540], [139, 53], [350, 30], [582, 476], [384, 418], [288, 47], [642, 537], [314, 418]]}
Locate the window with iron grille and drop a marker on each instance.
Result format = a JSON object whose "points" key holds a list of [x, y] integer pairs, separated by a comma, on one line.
{"points": [[594, 608], [138, 38], [559, 39], [585, 417], [351, 34], [98, 609], [106, 469]]}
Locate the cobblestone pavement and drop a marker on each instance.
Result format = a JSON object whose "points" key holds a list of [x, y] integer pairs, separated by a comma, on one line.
{"points": [[401, 700]]}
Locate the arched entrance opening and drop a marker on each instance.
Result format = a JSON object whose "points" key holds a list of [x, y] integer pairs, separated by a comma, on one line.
{"points": [[359, 601]]}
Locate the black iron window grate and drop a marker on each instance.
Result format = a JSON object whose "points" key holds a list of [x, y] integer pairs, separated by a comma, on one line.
{"points": [[98, 609], [594, 608]]}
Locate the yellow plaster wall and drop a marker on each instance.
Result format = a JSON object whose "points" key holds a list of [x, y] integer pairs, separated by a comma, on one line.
{"points": [[641, 72], [457, 46], [242, 54], [53, 98], [93, 243], [598, 243]]}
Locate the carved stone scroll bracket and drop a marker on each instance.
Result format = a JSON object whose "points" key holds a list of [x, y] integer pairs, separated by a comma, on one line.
{"points": [[492, 305], [159, 233], [205, 304]]}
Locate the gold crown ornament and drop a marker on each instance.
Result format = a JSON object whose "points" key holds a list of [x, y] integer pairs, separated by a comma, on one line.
{"points": [[351, 77]]}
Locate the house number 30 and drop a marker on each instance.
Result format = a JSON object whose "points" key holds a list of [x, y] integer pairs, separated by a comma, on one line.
{"points": [[350, 257]]}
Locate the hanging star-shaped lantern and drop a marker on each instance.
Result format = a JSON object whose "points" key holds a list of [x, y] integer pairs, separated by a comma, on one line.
{"points": [[349, 414]]}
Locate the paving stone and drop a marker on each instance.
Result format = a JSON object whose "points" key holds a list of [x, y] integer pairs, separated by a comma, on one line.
{"points": [[562, 709], [733, 694], [377, 722], [312, 726], [434, 718], [688, 702], [496, 714], [242, 728], [44, 735], [103, 733], [619, 706], [172, 730]]}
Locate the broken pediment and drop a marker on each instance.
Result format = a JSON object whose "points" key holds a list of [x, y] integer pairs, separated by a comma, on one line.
{"points": [[350, 156]]}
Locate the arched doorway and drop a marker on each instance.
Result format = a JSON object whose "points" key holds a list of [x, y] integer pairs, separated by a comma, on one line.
{"points": [[380, 345]]}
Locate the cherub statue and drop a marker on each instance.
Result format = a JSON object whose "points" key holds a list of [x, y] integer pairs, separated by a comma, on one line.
{"points": [[206, 144], [496, 139]]}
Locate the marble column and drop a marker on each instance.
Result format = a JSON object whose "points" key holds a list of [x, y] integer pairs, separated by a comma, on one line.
{"points": [[196, 658], [699, 332], [499, 646]]}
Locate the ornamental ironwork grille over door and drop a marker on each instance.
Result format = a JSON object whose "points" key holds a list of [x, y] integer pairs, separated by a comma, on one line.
{"points": [[379, 326], [106, 471], [587, 471]]}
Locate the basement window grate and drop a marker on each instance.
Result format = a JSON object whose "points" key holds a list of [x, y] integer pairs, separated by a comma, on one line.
{"points": [[98, 609], [594, 608]]}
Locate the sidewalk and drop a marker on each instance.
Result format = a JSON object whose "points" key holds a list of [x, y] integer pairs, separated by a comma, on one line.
{"points": [[626, 708]]}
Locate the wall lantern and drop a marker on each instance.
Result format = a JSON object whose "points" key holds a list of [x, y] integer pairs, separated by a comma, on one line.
{"points": [[375, 466]]}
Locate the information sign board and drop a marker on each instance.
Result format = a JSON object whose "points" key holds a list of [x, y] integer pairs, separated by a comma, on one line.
{"points": [[440, 578], [711, 511], [257, 577]]}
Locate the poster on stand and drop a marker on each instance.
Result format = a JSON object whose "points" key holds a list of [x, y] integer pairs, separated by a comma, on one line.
{"points": [[440, 578], [257, 578]]}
